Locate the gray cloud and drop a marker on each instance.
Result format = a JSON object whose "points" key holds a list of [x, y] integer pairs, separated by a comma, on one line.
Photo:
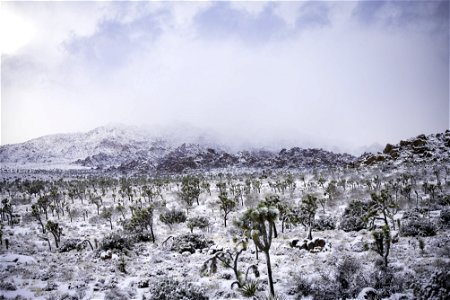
{"points": [[330, 74]]}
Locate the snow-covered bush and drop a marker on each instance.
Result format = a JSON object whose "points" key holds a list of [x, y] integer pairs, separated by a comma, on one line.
{"points": [[445, 217], [7, 286], [353, 217], [171, 289], [418, 227], [444, 200], [388, 282], [324, 223], [342, 280], [190, 242], [115, 241], [302, 287], [172, 217], [199, 222], [116, 294], [435, 285]]}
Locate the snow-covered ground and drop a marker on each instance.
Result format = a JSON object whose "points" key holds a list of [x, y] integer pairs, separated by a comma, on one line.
{"points": [[29, 270]]}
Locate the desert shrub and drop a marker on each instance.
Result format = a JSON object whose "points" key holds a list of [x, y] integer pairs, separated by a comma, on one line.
{"points": [[343, 280], [115, 241], [388, 282], [302, 287], [67, 296], [414, 214], [444, 200], [445, 217], [347, 271], [324, 223], [173, 216], [7, 286], [115, 293], [22, 201], [199, 222], [353, 217], [95, 220], [190, 242], [249, 288], [171, 289], [70, 244], [352, 223], [434, 285], [438, 287], [418, 227], [28, 218]]}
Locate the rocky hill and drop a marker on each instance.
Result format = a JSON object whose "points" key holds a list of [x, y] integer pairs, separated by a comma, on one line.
{"points": [[130, 149], [423, 148], [190, 157]]}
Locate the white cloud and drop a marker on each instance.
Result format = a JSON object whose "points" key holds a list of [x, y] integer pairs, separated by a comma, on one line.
{"points": [[253, 8]]}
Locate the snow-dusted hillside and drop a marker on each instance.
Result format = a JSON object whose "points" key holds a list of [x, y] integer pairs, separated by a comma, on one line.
{"points": [[165, 150], [111, 141]]}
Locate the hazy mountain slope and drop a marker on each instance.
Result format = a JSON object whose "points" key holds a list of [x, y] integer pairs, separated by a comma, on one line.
{"points": [[110, 141], [132, 149]]}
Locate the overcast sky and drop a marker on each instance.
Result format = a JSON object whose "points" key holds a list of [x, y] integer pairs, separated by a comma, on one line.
{"points": [[327, 74]]}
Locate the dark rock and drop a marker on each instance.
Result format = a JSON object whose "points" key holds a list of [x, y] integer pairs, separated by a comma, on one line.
{"points": [[142, 284]]}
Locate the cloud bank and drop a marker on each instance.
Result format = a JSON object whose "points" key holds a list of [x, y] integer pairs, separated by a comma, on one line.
{"points": [[323, 74]]}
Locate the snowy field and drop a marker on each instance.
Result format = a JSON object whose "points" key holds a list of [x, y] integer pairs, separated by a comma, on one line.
{"points": [[124, 262]]}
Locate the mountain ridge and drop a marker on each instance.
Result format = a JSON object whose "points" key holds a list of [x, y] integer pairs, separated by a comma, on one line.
{"points": [[132, 149]]}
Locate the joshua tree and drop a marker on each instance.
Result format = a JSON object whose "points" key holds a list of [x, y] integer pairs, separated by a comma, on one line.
{"points": [[230, 258], [190, 190], [7, 208], [55, 230], [122, 264], [308, 209], [120, 208], [227, 205], [43, 203], [36, 213], [142, 219], [256, 185], [206, 187], [258, 224], [107, 214], [382, 207]]}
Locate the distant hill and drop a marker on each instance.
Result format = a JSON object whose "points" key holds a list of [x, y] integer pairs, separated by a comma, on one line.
{"points": [[131, 149]]}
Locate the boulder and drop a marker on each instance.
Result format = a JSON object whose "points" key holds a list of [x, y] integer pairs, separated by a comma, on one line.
{"points": [[318, 242], [368, 293], [314, 245], [106, 255], [142, 284]]}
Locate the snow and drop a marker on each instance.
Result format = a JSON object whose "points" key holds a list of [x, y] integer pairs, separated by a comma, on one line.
{"points": [[16, 258], [31, 266]]}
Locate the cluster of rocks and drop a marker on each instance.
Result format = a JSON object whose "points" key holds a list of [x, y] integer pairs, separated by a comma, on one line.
{"points": [[315, 245]]}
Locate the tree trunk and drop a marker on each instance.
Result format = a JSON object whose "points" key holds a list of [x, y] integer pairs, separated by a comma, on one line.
{"points": [[310, 231], [275, 233], [151, 232], [269, 273]]}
